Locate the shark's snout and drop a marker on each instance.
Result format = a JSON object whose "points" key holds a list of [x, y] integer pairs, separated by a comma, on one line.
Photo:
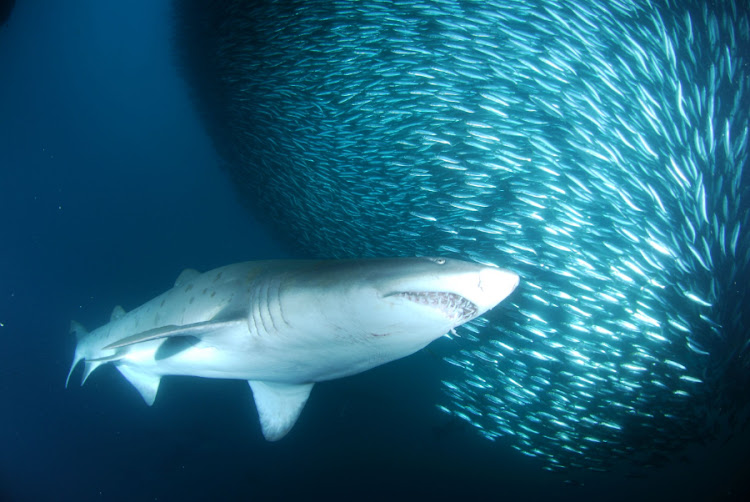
{"points": [[495, 285]]}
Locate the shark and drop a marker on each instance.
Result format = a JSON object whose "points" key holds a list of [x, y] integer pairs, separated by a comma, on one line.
{"points": [[284, 325]]}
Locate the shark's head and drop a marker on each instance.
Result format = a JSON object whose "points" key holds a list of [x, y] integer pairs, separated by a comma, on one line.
{"points": [[374, 311], [447, 290]]}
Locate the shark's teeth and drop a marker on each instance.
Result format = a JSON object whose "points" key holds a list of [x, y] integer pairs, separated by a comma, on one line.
{"points": [[455, 307]]}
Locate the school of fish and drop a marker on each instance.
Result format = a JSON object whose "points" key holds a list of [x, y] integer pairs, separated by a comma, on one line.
{"points": [[598, 149]]}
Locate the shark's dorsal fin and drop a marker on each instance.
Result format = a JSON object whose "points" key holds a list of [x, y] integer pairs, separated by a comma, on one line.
{"points": [[185, 277], [279, 406], [145, 383], [197, 330], [117, 313]]}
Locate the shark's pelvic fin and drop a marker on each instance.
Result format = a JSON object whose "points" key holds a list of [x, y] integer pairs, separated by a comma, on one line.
{"points": [[146, 384], [197, 330], [117, 313], [185, 277], [279, 406]]}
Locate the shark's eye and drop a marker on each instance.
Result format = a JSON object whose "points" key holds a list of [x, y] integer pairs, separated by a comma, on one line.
{"points": [[439, 261]]}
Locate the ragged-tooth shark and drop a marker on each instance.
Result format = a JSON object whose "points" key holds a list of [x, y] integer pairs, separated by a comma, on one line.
{"points": [[283, 325]]}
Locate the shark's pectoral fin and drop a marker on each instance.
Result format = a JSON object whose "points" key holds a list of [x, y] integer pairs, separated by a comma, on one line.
{"points": [[279, 406], [196, 330], [147, 384], [174, 345]]}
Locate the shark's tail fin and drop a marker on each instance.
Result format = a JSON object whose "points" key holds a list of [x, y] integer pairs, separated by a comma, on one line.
{"points": [[91, 363], [79, 331]]}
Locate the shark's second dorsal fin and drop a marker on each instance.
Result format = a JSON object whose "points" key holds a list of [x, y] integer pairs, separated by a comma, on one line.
{"points": [[185, 277], [77, 329], [279, 406], [117, 313]]}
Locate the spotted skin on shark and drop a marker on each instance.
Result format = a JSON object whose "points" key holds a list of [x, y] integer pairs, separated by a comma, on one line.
{"points": [[284, 325]]}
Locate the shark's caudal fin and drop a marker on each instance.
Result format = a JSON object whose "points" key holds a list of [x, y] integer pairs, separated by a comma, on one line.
{"points": [[79, 331], [90, 364], [279, 406]]}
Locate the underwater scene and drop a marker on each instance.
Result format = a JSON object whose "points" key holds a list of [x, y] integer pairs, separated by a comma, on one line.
{"points": [[459, 250]]}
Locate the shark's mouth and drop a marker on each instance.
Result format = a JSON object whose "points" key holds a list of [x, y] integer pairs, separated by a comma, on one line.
{"points": [[453, 306]]}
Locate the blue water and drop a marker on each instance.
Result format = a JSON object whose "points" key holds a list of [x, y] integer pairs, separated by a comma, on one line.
{"points": [[109, 187]]}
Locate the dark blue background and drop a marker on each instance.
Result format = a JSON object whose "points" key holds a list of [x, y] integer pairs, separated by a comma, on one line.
{"points": [[109, 187]]}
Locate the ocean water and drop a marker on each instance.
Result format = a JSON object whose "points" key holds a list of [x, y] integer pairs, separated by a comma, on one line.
{"points": [[109, 187]]}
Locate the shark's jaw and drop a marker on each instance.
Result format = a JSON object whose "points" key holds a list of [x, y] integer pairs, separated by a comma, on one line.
{"points": [[453, 306], [456, 290]]}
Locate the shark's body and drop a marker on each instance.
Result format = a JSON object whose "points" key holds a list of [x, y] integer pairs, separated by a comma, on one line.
{"points": [[284, 325]]}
